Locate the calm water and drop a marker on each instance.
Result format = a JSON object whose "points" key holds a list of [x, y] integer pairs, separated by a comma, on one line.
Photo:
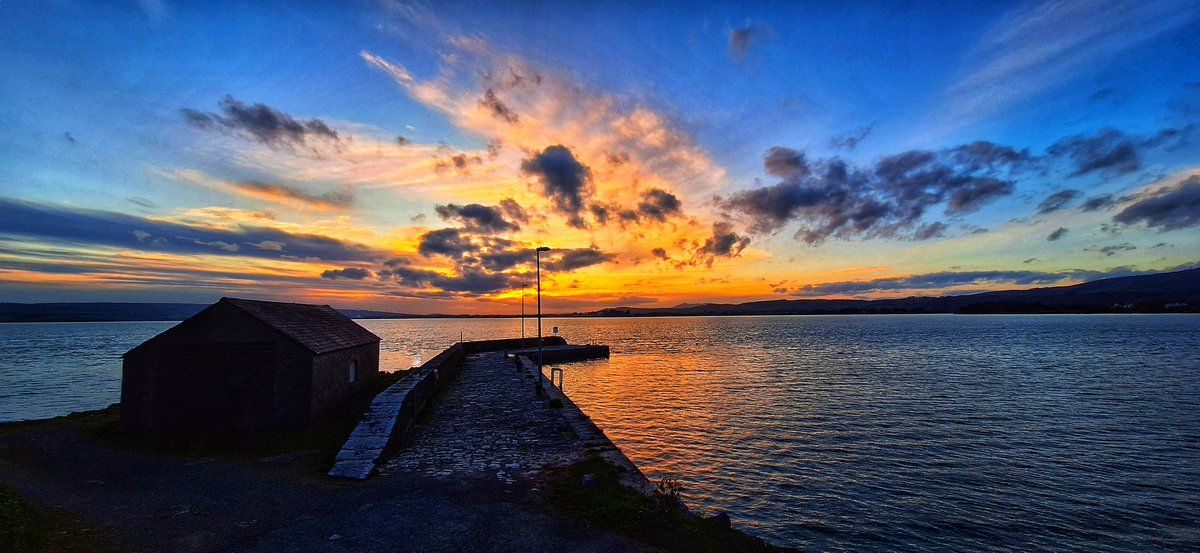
{"points": [[834, 433]]}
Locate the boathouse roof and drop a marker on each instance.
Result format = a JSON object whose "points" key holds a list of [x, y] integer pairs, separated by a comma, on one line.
{"points": [[319, 328]]}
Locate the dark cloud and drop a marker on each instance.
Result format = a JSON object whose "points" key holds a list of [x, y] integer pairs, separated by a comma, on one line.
{"points": [[1056, 234], [513, 210], [741, 38], [261, 123], [1058, 200], [563, 178], [67, 135], [461, 162], [450, 242], [141, 202], [493, 148], [851, 140], [1103, 201], [658, 204], [936, 281], [618, 158], [832, 199], [401, 140], [106, 228], [570, 260], [503, 260], [1168, 208], [1109, 152], [660, 253], [930, 230], [478, 218], [340, 199], [352, 273], [498, 109], [785, 163], [470, 281], [600, 212], [982, 155], [1106, 94], [724, 242], [1111, 250]]}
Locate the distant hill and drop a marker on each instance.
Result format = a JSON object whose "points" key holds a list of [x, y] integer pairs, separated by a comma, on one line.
{"points": [[1162, 292], [94, 312]]}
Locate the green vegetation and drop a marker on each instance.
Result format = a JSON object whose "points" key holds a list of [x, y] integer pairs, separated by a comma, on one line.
{"points": [[18, 523], [24, 529], [660, 521]]}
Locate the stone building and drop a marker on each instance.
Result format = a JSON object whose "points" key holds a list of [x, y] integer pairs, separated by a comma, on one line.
{"points": [[242, 365]]}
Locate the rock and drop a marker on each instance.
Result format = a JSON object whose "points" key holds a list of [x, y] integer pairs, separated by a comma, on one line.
{"points": [[589, 480], [720, 519]]}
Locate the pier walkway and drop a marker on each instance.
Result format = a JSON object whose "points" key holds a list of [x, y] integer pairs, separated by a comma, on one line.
{"points": [[488, 424]]}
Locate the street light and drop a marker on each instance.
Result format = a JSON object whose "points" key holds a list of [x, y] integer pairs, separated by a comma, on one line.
{"points": [[537, 256]]}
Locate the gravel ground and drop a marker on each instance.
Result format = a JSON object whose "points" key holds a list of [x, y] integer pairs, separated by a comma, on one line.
{"points": [[469, 478]]}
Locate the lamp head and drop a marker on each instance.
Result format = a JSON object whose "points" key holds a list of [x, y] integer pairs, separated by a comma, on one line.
{"points": [[543, 249]]}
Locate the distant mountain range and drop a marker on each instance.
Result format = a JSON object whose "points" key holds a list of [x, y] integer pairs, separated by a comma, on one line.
{"points": [[1161, 292], [1156, 293]]}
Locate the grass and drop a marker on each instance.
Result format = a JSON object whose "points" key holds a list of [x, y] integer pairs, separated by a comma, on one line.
{"points": [[660, 521], [25, 529]]}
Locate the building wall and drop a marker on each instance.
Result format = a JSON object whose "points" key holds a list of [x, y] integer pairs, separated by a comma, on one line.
{"points": [[331, 375], [155, 379]]}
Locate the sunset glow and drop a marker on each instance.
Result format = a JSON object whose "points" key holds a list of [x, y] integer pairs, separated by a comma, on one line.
{"points": [[409, 157]]}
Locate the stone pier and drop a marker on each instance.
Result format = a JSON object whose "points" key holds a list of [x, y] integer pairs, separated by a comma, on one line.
{"points": [[490, 424]]}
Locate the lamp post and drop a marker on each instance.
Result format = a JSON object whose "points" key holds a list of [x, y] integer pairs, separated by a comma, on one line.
{"points": [[523, 315], [537, 256]]}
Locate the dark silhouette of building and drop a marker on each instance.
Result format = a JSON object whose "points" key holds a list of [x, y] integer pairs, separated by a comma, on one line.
{"points": [[243, 365]]}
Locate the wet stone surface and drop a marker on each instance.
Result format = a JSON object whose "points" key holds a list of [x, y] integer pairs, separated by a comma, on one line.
{"points": [[487, 424]]}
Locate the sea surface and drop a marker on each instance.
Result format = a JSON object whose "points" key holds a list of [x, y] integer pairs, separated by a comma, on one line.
{"points": [[840, 433]]}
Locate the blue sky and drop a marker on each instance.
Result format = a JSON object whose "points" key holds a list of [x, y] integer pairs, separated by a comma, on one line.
{"points": [[730, 151]]}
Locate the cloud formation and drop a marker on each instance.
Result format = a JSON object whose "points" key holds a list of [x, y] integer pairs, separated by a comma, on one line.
{"points": [[479, 218], [1014, 62], [1168, 208], [951, 279], [658, 204], [742, 38], [1057, 201], [832, 199], [351, 273], [107, 228], [261, 123], [1056, 234], [1108, 152], [565, 180]]}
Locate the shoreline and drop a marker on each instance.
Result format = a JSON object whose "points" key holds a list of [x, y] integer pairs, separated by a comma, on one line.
{"points": [[95, 486]]}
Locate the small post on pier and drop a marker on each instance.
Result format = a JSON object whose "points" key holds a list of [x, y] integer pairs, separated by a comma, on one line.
{"points": [[537, 256]]}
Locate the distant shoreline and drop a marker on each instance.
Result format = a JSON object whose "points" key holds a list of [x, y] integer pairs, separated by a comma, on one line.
{"points": [[1177, 292]]}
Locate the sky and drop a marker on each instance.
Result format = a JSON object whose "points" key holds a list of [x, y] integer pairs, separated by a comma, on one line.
{"points": [[411, 156]]}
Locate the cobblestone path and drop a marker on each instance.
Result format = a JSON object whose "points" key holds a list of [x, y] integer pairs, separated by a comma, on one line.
{"points": [[487, 424]]}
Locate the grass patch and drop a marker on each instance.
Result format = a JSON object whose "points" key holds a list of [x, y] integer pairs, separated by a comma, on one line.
{"points": [[659, 521], [24, 529]]}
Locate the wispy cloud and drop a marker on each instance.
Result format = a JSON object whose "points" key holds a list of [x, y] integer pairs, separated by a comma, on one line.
{"points": [[1038, 46]]}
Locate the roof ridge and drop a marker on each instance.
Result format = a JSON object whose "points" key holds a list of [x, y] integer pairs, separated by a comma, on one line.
{"points": [[319, 328]]}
